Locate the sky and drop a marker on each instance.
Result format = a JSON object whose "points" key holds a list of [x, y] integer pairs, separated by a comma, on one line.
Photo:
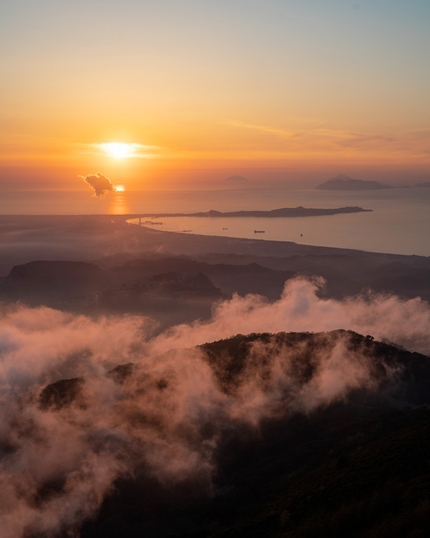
{"points": [[290, 89]]}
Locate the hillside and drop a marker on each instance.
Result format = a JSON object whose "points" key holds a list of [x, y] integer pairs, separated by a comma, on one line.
{"points": [[296, 435], [125, 283]]}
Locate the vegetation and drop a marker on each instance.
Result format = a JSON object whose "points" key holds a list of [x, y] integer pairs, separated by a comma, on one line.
{"points": [[358, 467]]}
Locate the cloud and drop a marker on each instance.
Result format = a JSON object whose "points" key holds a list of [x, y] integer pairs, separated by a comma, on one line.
{"points": [[300, 309], [164, 422], [99, 183], [317, 139]]}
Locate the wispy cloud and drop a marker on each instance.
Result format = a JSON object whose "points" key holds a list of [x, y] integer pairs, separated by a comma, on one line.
{"points": [[413, 142], [261, 128]]}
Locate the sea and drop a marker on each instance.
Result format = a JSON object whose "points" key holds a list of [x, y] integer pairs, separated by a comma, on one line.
{"points": [[399, 222]]}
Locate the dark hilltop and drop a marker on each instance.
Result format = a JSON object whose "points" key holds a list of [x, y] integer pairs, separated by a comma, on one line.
{"points": [[285, 456]]}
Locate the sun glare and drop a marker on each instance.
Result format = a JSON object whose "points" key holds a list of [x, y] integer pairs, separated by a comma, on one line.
{"points": [[121, 150], [118, 150], [120, 188]]}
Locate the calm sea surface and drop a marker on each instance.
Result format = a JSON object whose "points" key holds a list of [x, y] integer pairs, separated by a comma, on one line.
{"points": [[399, 222]]}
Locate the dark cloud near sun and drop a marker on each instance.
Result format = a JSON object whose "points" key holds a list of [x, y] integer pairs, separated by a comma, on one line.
{"points": [[99, 183]]}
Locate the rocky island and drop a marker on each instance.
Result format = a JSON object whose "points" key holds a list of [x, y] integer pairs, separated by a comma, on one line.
{"points": [[346, 183]]}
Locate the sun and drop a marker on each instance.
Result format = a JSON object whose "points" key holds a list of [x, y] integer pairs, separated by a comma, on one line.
{"points": [[122, 150], [119, 188], [118, 150]]}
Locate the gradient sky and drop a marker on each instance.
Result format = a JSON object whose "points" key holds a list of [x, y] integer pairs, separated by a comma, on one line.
{"points": [[292, 85]]}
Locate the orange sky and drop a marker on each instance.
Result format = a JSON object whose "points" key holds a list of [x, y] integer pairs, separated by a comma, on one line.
{"points": [[207, 88]]}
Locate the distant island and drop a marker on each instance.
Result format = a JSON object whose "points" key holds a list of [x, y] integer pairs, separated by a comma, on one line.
{"points": [[346, 183], [423, 185]]}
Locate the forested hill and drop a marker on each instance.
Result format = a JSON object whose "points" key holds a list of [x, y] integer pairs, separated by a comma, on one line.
{"points": [[324, 434]]}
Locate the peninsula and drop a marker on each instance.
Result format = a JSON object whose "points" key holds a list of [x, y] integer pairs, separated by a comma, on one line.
{"points": [[282, 212]]}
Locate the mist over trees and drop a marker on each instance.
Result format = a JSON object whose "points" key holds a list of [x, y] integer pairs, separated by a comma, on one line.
{"points": [[281, 391]]}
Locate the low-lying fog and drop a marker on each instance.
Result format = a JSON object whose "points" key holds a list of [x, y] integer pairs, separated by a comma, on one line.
{"points": [[58, 462]]}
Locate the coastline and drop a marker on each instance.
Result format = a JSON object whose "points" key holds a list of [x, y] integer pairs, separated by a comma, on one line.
{"points": [[109, 241], [89, 237]]}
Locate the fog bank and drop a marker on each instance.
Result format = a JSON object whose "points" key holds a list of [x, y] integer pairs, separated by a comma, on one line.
{"points": [[163, 418]]}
